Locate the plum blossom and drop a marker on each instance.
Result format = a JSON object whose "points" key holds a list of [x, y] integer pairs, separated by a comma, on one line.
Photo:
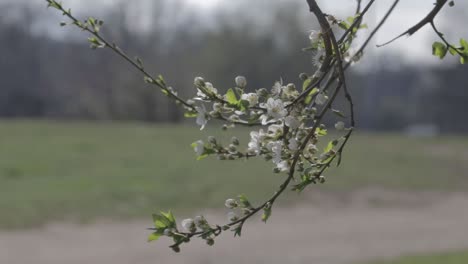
{"points": [[317, 57], [283, 166], [256, 139], [230, 203], [241, 81], [340, 126], [321, 99], [275, 130], [252, 98], [276, 147], [199, 147], [275, 111], [310, 150], [276, 89], [208, 90], [314, 36], [293, 144], [202, 116], [232, 217], [292, 122], [188, 225]]}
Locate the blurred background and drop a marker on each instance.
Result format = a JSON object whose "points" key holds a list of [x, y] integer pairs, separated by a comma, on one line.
{"points": [[88, 151]]}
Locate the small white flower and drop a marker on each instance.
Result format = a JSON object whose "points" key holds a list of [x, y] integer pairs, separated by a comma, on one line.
{"points": [[188, 224], [256, 140], [275, 130], [199, 81], [340, 126], [275, 110], [293, 145], [290, 91], [321, 99], [276, 147], [232, 217], [202, 116], [276, 89], [292, 122], [283, 166], [310, 150], [314, 36], [241, 81], [230, 203], [317, 57], [252, 98], [207, 90], [199, 221], [199, 147]]}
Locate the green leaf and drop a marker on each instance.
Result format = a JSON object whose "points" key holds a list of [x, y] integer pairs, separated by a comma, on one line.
{"points": [[244, 201], [311, 95], [191, 115], [154, 236], [306, 84], [160, 222], [243, 105], [453, 51], [439, 49], [330, 146], [322, 132], [231, 97], [169, 216]]}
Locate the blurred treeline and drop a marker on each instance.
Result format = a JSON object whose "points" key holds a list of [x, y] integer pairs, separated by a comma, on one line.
{"points": [[55, 75]]}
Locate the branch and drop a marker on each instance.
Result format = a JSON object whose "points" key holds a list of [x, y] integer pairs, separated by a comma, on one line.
{"points": [[427, 20]]}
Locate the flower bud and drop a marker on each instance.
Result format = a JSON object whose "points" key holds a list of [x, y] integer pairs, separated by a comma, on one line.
{"points": [[235, 141], [212, 140], [303, 76], [262, 92], [199, 81], [241, 81], [210, 241], [167, 232], [340, 126]]}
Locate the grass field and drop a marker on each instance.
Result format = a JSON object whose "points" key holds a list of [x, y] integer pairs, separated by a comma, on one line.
{"points": [[449, 258], [62, 171]]}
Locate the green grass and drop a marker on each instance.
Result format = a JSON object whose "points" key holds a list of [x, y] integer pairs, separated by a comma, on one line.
{"points": [[449, 258], [80, 171]]}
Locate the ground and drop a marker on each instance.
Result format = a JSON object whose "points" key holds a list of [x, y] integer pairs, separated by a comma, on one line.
{"points": [[326, 231], [83, 193]]}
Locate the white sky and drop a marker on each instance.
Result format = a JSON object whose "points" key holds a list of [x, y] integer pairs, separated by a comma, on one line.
{"points": [[409, 12]]}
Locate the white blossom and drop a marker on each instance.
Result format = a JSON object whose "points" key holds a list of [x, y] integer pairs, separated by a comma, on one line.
{"points": [[314, 36], [202, 116], [293, 145], [318, 57], [199, 221], [292, 122], [199, 147], [276, 147], [256, 139], [232, 217], [252, 98], [199, 81], [321, 99], [310, 150], [275, 110], [241, 81], [276, 89], [167, 232], [340, 126], [208, 90], [188, 224], [283, 166], [230, 203], [290, 91], [275, 130]]}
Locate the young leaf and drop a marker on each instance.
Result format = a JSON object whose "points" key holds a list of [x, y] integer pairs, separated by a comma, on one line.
{"points": [[439, 49], [154, 236], [231, 97]]}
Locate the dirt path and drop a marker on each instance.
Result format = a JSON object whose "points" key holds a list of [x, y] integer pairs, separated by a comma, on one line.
{"points": [[327, 234]]}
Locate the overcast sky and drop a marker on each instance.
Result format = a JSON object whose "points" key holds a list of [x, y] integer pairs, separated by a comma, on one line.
{"points": [[409, 12]]}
